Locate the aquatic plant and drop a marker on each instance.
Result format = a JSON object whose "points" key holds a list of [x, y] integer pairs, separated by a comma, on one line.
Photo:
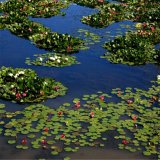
{"points": [[134, 120], [136, 47], [52, 60], [15, 18], [24, 85]]}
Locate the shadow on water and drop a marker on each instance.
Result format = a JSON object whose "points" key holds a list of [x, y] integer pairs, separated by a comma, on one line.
{"points": [[92, 75]]}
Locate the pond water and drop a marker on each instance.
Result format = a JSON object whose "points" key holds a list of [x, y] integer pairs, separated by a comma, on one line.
{"points": [[92, 75]]}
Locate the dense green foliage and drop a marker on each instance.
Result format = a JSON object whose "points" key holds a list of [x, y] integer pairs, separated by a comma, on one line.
{"points": [[15, 18], [24, 85], [135, 48]]}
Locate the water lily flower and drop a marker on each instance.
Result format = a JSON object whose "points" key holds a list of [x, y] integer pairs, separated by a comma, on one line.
{"points": [[24, 94], [152, 29], [77, 105], [10, 74], [154, 98], [60, 113], [158, 77], [91, 114], [66, 59], [134, 117], [125, 142], [144, 24], [58, 60], [101, 1], [30, 29], [41, 59], [138, 25], [41, 92], [129, 101], [62, 136], [55, 57], [69, 48], [135, 125], [44, 141], [119, 93], [24, 141], [52, 58], [46, 130], [101, 98], [18, 95], [56, 88]]}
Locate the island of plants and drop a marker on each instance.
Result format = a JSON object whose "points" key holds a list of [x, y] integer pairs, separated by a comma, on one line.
{"points": [[52, 60], [134, 120], [15, 18], [136, 47], [24, 85]]}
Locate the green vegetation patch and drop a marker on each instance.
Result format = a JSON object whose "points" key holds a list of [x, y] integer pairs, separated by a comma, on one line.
{"points": [[24, 85], [107, 15], [144, 11], [136, 47], [15, 18], [52, 60], [134, 118]]}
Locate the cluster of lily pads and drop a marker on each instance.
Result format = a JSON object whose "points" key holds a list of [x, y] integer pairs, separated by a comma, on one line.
{"points": [[136, 47], [134, 118], [52, 60], [24, 85], [15, 18]]}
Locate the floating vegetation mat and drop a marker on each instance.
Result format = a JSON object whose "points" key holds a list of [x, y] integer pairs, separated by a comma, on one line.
{"points": [[89, 38], [135, 11], [52, 60], [91, 3], [136, 47], [24, 85], [135, 119], [15, 18]]}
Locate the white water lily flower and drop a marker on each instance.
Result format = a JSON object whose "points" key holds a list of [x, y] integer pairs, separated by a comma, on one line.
{"points": [[20, 72], [16, 75], [52, 58], [12, 86], [10, 74], [41, 59], [58, 61], [55, 57], [45, 83], [66, 59], [158, 77]]}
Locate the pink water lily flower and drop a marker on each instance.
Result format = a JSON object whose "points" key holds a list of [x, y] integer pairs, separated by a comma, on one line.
{"points": [[24, 141], [77, 105], [125, 142], [62, 136], [101, 98], [44, 142], [91, 114], [101, 1]]}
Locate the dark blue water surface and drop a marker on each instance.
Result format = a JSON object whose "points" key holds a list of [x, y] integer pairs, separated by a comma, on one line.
{"points": [[92, 75]]}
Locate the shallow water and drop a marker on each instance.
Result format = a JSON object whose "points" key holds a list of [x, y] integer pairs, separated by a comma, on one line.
{"points": [[92, 75]]}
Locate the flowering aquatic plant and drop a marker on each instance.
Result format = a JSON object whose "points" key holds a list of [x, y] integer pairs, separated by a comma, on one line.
{"points": [[24, 85]]}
